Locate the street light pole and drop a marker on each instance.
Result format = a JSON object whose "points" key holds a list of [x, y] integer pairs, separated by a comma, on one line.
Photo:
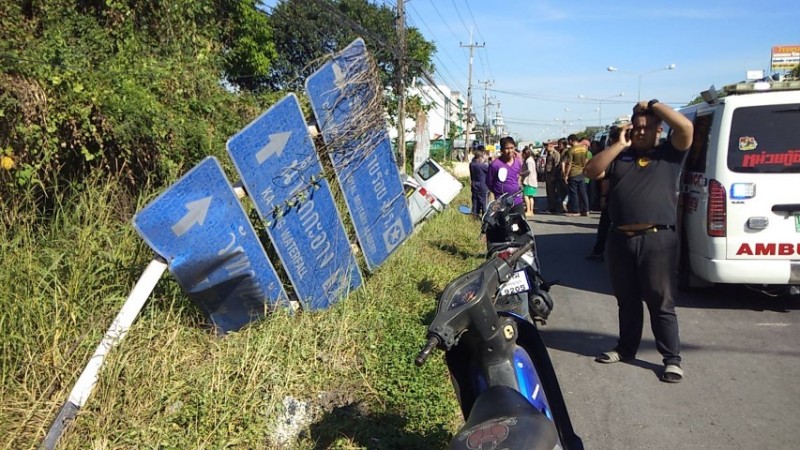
{"points": [[600, 105], [639, 75]]}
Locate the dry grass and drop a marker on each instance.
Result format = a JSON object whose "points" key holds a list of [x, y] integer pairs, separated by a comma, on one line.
{"points": [[172, 384]]}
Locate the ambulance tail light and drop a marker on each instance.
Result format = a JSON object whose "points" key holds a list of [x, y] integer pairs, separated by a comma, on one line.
{"points": [[430, 198], [716, 209]]}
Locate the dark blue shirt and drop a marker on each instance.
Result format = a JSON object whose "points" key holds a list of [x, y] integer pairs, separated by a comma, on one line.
{"points": [[477, 176]]}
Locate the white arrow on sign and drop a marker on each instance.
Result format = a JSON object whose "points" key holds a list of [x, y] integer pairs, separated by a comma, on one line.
{"points": [[198, 210], [277, 142], [338, 76]]}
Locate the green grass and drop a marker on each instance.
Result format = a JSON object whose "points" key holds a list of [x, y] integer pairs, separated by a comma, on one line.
{"points": [[172, 384]]}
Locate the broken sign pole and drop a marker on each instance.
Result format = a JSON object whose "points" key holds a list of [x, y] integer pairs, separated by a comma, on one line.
{"points": [[116, 332]]}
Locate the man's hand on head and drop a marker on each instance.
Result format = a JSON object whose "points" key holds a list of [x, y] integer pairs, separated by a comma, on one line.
{"points": [[640, 107]]}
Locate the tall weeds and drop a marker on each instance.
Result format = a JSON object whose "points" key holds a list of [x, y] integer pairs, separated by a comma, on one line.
{"points": [[172, 384]]}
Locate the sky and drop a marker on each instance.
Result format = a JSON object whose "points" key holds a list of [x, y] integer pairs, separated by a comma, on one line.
{"points": [[543, 55]]}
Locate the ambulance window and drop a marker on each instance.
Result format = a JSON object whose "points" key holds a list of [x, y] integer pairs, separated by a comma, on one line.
{"points": [[699, 150], [427, 170], [765, 139]]}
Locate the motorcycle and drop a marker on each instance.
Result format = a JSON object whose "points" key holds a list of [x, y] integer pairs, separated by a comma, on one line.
{"points": [[505, 228], [502, 374]]}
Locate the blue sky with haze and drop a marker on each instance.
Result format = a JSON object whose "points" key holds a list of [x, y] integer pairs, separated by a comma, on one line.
{"points": [[543, 54]]}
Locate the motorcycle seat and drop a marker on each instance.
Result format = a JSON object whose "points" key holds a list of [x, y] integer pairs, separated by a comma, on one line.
{"points": [[501, 415]]}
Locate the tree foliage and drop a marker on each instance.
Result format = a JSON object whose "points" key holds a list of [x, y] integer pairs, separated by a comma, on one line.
{"points": [[148, 87], [127, 86], [306, 30]]}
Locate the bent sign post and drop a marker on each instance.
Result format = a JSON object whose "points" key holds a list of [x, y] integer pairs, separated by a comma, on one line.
{"points": [[342, 93], [114, 335], [280, 168], [199, 227]]}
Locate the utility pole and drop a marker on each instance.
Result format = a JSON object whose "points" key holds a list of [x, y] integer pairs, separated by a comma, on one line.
{"points": [[472, 47], [493, 101], [401, 88], [486, 84]]}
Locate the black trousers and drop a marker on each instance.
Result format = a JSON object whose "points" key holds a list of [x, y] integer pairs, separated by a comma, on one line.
{"points": [[578, 198], [553, 200], [602, 232], [644, 267], [479, 203]]}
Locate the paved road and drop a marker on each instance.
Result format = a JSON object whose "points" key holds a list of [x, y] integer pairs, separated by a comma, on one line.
{"points": [[740, 351]]}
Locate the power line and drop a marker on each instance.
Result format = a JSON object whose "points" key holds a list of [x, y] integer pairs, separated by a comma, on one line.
{"points": [[467, 28], [433, 3], [483, 64], [473, 20], [443, 65]]}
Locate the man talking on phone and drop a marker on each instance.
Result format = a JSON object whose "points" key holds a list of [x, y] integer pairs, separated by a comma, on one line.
{"points": [[642, 248]]}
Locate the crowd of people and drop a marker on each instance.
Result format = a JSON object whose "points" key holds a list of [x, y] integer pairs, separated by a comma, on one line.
{"points": [[560, 164], [633, 183], [512, 172]]}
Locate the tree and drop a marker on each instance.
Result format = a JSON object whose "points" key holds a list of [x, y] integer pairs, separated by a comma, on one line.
{"points": [[306, 30], [130, 87], [247, 39]]}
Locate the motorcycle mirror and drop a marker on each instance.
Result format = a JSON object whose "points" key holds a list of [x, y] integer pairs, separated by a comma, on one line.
{"points": [[464, 209]]}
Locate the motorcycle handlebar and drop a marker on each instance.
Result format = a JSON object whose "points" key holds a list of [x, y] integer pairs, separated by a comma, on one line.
{"points": [[520, 251], [433, 341]]}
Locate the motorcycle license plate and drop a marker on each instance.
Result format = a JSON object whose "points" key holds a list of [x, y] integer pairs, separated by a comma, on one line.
{"points": [[516, 284]]}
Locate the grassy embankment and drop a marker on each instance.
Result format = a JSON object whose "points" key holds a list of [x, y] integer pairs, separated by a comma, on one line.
{"points": [[172, 384]]}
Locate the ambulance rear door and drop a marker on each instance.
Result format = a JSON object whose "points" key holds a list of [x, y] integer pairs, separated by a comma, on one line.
{"points": [[762, 182]]}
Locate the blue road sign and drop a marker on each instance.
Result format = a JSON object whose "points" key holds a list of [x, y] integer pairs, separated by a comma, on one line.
{"points": [[279, 165], [199, 227], [343, 92]]}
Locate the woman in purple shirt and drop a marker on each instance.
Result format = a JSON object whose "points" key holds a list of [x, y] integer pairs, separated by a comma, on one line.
{"points": [[504, 173]]}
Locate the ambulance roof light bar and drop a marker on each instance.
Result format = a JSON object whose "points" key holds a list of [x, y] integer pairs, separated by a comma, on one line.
{"points": [[761, 86]]}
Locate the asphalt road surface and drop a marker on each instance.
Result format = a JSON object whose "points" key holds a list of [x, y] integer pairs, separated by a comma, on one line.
{"points": [[740, 356]]}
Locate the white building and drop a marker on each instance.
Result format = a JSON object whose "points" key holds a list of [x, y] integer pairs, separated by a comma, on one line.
{"points": [[445, 111]]}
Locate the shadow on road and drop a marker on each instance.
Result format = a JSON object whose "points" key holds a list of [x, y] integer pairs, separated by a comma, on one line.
{"points": [[736, 297], [590, 344], [563, 258], [371, 430]]}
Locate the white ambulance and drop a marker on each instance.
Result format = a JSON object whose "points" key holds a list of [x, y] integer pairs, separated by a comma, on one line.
{"points": [[740, 202]]}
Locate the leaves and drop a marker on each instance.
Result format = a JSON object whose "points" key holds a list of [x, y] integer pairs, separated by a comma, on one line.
{"points": [[132, 86], [306, 30]]}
